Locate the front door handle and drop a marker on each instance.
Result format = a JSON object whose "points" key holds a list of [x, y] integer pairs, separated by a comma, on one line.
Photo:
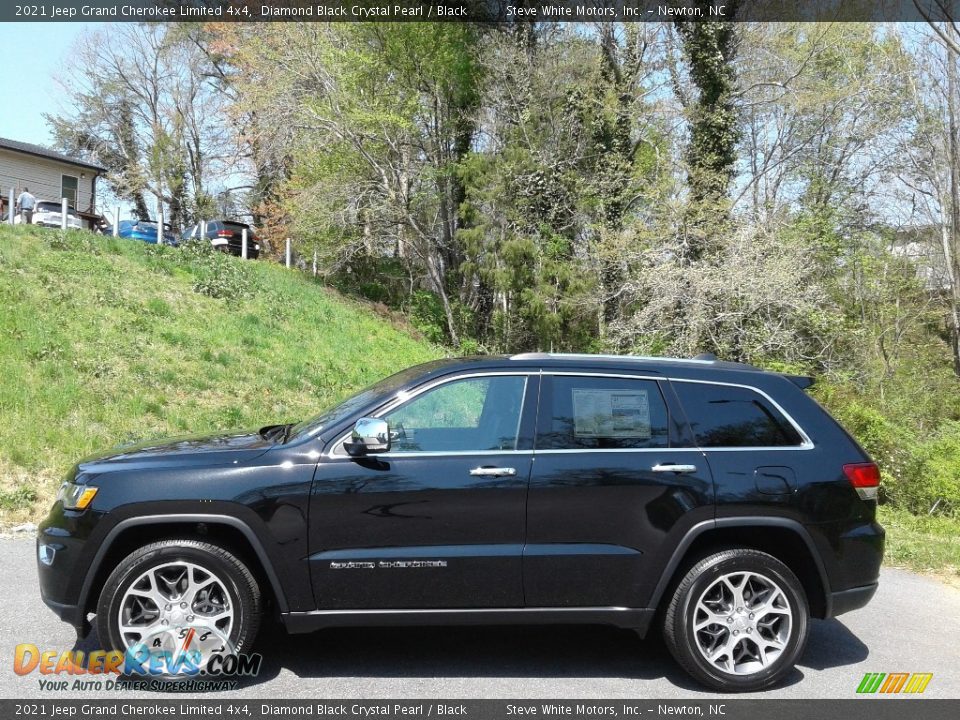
{"points": [[493, 472], [670, 467]]}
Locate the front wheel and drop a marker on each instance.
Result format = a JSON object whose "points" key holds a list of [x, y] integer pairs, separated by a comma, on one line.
{"points": [[174, 604], [737, 621]]}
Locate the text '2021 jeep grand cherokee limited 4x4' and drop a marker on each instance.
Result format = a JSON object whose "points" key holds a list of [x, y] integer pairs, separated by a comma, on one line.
{"points": [[712, 498]]}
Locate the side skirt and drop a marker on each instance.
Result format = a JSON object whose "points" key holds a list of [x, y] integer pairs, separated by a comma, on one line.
{"points": [[638, 619]]}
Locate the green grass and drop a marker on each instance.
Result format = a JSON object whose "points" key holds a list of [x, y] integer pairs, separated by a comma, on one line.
{"points": [[923, 543], [106, 341]]}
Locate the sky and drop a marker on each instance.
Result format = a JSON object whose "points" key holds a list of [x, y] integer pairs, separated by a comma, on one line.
{"points": [[32, 54]]}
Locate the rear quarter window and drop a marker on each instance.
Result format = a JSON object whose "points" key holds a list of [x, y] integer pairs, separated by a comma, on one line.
{"points": [[730, 416]]}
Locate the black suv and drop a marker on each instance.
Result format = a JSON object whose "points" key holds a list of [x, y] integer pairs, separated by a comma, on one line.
{"points": [[226, 236], [710, 498]]}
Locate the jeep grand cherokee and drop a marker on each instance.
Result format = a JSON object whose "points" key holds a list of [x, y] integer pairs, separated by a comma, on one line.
{"points": [[710, 499]]}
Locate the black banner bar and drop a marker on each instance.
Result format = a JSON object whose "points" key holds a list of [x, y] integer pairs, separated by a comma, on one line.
{"points": [[876, 708], [498, 11]]}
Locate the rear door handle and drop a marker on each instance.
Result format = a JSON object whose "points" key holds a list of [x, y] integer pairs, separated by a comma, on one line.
{"points": [[670, 467], [493, 472]]}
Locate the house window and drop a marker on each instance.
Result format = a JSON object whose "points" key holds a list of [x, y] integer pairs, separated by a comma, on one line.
{"points": [[68, 188]]}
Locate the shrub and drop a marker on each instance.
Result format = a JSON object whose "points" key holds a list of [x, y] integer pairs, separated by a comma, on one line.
{"points": [[935, 477], [426, 315], [217, 274]]}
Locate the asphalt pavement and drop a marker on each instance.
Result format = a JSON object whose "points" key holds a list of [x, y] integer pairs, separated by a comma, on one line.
{"points": [[912, 625]]}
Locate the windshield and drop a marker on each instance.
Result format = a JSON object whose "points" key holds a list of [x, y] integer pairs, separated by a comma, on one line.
{"points": [[378, 391], [52, 207]]}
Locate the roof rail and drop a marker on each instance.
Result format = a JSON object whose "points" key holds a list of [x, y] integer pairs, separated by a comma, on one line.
{"points": [[588, 356]]}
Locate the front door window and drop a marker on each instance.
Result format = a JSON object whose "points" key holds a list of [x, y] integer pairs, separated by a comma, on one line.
{"points": [[469, 415]]}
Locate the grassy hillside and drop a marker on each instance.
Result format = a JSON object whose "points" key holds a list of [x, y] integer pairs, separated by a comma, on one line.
{"points": [[106, 341]]}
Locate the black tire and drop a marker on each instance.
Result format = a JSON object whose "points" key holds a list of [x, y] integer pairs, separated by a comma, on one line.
{"points": [[240, 584], [681, 614]]}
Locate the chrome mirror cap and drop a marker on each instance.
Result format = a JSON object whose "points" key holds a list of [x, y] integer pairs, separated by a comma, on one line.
{"points": [[370, 435]]}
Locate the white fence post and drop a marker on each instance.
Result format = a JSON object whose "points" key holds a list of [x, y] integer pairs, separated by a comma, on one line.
{"points": [[63, 213], [203, 230], [10, 213], [116, 221], [160, 222], [243, 243], [288, 252], [314, 262]]}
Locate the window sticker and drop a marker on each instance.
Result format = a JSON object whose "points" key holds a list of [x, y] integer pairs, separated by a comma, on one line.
{"points": [[611, 413]]}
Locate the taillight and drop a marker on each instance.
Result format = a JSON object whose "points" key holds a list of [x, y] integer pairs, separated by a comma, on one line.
{"points": [[224, 233], [865, 478]]}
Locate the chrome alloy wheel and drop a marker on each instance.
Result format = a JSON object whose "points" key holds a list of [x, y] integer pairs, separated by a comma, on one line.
{"points": [[165, 603], [742, 623]]}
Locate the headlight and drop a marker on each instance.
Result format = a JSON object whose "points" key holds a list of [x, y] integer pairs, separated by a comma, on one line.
{"points": [[76, 497]]}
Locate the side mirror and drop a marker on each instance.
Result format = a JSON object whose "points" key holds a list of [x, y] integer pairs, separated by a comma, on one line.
{"points": [[370, 435]]}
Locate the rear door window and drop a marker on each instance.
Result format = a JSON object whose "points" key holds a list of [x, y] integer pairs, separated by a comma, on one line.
{"points": [[602, 413], [731, 416]]}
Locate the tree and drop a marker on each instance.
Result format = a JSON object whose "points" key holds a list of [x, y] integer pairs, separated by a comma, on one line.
{"points": [[382, 117], [931, 161], [709, 48], [140, 105]]}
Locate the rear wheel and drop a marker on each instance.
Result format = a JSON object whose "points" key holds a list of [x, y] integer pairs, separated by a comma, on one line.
{"points": [[183, 598], [737, 621]]}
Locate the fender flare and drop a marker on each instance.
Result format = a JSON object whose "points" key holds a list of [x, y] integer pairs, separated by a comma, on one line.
{"points": [[746, 521], [210, 519]]}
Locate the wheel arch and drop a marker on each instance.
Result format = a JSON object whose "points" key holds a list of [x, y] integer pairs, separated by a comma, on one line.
{"points": [[783, 538], [131, 533]]}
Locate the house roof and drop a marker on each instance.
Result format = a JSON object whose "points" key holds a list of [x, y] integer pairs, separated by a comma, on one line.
{"points": [[40, 151]]}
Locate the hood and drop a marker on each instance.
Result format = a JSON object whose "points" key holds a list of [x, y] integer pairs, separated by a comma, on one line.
{"points": [[195, 450]]}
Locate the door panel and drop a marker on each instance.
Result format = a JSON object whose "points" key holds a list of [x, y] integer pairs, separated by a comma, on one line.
{"points": [[598, 514], [438, 521], [466, 532], [754, 451]]}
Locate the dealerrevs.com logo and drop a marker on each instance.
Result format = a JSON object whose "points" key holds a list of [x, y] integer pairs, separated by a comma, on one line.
{"points": [[165, 661], [894, 683]]}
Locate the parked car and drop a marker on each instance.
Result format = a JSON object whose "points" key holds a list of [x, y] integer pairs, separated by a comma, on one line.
{"points": [[227, 235], [715, 497], [48, 213], [145, 230]]}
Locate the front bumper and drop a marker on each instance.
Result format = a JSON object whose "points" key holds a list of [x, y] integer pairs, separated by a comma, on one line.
{"points": [[69, 614], [60, 546]]}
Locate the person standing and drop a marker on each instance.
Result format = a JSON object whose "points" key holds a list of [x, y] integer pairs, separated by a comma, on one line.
{"points": [[25, 205]]}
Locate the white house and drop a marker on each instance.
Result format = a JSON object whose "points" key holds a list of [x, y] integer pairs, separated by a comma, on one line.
{"points": [[50, 176]]}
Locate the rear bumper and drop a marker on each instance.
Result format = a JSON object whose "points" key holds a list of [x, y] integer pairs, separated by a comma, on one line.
{"points": [[852, 599], [235, 247]]}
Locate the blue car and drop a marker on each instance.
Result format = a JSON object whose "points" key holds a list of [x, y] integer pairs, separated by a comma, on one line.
{"points": [[145, 230]]}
